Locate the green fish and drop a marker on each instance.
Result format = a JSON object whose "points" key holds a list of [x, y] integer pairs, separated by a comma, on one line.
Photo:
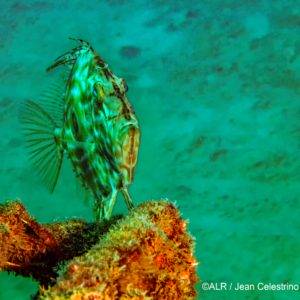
{"points": [[90, 119]]}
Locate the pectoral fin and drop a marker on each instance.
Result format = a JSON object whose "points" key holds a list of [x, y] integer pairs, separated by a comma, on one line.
{"points": [[46, 154]]}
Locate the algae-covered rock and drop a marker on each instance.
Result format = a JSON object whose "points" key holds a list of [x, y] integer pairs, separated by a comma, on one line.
{"points": [[29, 248], [147, 255]]}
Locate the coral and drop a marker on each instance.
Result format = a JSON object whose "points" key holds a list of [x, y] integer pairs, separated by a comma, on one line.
{"points": [[147, 255], [32, 249]]}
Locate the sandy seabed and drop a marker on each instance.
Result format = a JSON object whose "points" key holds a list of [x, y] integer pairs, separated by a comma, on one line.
{"points": [[215, 86]]}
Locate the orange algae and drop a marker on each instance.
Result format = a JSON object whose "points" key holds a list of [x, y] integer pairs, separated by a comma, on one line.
{"points": [[29, 248], [147, 255], [23, 242]]}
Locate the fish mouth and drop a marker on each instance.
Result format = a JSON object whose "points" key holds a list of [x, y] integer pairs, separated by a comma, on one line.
{"points": [[71, 56]]}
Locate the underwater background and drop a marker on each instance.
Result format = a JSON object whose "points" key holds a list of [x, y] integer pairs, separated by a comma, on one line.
{"points": [[215, 87]]}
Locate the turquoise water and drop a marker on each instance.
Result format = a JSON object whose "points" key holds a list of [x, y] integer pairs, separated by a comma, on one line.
{"points": [[215, 86]]}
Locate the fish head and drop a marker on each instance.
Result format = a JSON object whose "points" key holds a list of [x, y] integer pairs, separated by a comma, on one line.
{"points": [[106, 84], [88, 67], [84, 49]]}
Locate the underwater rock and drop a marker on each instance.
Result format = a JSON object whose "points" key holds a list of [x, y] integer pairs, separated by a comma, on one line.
{"points": [[147, 255], [32, 249]]}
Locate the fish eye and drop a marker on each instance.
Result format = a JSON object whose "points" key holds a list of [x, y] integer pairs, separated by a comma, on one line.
{"points": [[94, 91]]}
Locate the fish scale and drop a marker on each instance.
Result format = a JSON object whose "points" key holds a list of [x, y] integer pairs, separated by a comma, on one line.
{"points": [[99, 131]]}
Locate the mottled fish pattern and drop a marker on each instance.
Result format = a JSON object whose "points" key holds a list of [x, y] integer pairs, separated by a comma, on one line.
{"points": [[93, 123]]}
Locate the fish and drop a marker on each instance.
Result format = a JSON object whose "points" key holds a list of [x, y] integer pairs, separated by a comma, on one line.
{"points": [[89, 119]]}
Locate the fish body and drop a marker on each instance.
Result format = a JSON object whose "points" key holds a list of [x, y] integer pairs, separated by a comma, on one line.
{"points": [[99, 131]]}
